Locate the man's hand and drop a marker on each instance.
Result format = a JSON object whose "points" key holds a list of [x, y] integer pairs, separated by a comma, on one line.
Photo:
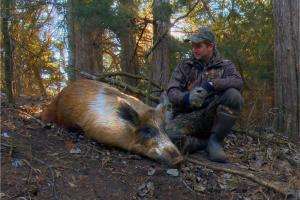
{"points": [[197, 96]]}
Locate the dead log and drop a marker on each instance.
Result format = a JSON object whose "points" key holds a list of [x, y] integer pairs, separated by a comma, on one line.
{"points": [[121, 84], [109, 74]]}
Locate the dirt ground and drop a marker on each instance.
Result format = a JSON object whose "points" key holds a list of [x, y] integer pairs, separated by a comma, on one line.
{"points": [[50, 163]]}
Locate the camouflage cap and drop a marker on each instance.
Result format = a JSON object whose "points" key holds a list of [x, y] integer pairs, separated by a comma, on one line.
{"points": [[203, 34]]}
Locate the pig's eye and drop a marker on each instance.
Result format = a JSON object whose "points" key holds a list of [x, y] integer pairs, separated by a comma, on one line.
{"points": [[147, 133]]}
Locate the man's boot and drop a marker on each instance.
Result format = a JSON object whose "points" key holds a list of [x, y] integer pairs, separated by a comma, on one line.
{"points": [[225, 120]]}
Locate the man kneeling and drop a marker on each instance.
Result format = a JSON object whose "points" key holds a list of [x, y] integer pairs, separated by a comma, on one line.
{"points": [[204, 92]]}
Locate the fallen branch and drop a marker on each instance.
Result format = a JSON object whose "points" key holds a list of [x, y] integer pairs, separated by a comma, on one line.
{"points": [[30, 116], [293, 162], [188, 187], [127, 87], [108, 74], [287, 192], [275, 139], [7, 148], [7, 145], [52, 173], [29, 165], [49, 167]]}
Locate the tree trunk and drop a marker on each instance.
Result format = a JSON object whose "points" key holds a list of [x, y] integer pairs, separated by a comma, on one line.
{"points": [[39, 80], [87, 51], [287, 65], [127, 37], [18, 80], [128, 64], [85, 46], [8, 70], [71, 46], [160, 59]]}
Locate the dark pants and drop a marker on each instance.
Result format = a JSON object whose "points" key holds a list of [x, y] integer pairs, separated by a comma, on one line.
{"points": [[198, 123]]}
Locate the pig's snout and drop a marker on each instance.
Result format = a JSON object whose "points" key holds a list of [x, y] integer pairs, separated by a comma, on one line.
{"points": [[170, 155]]}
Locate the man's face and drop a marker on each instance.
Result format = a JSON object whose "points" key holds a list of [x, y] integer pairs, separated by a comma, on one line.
{"points": [[201, 50]]}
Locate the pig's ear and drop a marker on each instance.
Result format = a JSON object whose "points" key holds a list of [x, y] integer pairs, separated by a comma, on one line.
{"points": [[160, 107], [164, 103], [126, 112]]}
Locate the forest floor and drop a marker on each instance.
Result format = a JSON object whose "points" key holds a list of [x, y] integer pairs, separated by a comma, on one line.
{"points": [[50, 163]]}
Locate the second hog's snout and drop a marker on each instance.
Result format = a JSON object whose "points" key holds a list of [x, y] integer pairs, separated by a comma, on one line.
{"points": [[113, 118]]}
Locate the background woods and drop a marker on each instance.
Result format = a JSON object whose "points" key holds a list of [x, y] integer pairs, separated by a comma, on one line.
{"points": [[136, 44]]}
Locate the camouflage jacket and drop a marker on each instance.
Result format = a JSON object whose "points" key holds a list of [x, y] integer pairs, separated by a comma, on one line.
{"points": [[190, 73]]}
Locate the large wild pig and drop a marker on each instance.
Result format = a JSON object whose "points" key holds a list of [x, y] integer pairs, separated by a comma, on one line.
{"points": [[113, 118]]}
